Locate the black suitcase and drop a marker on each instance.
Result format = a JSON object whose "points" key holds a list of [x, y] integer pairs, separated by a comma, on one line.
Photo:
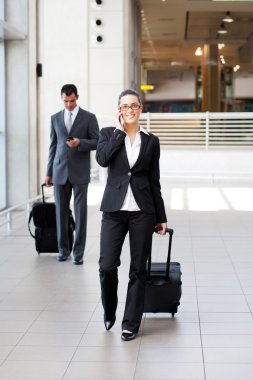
{"points": [[44, 220], [163, 284]]}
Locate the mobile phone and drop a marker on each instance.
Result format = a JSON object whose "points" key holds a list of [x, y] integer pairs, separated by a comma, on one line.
{"points": [[70, 138], [120, 120]]}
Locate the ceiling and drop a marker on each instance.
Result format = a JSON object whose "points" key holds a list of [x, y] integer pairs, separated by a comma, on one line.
{"points": [[173, 29]]}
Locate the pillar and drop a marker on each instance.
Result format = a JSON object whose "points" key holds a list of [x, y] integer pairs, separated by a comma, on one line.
{"points": [[210, 79]]}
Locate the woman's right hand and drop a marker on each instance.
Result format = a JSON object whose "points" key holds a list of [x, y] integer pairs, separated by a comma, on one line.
{"points": [[119, 121]]}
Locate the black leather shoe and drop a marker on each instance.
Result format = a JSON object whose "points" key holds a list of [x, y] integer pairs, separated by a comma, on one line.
{"points": [[78, 262], [109, 323], [128, 336], [62, 258]]}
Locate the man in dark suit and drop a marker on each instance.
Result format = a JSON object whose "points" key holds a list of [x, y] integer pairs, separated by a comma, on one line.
{"points": [[132, 202], [74, 133]]}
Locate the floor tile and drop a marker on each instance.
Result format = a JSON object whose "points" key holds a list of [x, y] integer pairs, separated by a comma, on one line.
{"points": [[10, 339], [123, 353], [42, 353], [170, 355], [5, 351], [229, 371], [102, 370], [30, 369], [228, 355], [169, 371], [43, 339], [170, 340], [227, 340]]}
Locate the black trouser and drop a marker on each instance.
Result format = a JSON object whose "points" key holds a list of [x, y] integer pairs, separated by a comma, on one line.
{"points": [[115, 226]]}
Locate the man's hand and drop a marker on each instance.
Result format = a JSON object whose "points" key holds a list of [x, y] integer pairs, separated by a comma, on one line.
{"points": [[48, 181], [73, 143], [161, 228]]}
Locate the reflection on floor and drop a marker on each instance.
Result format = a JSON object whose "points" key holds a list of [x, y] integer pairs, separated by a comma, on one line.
{"points": [[51, 319]]}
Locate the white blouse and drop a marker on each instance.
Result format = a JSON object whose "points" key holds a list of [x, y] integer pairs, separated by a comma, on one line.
{"points": [[133, 152]]}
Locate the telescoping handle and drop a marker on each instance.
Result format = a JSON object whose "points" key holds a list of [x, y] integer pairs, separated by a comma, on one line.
{"points": [[42, 191], [167, 273], [170, 231]]}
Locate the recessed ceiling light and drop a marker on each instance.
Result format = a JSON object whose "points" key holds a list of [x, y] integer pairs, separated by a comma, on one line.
{"points": [[228, 18], [222, 29], [198, 51]]}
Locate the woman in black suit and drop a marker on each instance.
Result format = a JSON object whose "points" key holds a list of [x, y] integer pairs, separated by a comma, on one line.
{"points": [[132, 202]]}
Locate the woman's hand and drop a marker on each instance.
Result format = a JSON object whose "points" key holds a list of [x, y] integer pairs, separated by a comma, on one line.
{"points": [[161, 228], [119, 121]]}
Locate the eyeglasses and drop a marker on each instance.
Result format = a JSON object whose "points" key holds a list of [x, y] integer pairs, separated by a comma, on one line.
{"points": [[133, 106]]}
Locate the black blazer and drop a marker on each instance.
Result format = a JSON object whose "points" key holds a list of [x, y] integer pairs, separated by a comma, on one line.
{"points": [[144, 176]]}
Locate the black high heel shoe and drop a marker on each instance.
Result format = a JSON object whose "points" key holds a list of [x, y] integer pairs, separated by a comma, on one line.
{"points": [[109, 323]]}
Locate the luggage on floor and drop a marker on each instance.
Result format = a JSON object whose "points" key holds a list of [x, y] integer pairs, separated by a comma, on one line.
{"points": [[163, 285], [44, 220]]}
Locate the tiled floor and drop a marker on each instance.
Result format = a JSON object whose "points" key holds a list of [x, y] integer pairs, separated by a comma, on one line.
{"points": [[51, 316]]}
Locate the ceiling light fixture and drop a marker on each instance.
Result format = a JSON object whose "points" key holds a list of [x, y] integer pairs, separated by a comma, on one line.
{"points": [[222, 29], [222, 59], [227, 17], [221, 46], [198, 51]]}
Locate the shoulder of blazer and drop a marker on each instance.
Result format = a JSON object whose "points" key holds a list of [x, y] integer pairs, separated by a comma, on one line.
{"points": [[152, 138], [57, 114], [86, 113], [107, 130]]}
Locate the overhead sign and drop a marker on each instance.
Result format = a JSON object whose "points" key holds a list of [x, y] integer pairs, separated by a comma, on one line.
{"points": [[147, 87]]}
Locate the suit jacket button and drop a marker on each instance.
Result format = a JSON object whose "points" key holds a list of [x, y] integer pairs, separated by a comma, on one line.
{"points": [[129, 173]]}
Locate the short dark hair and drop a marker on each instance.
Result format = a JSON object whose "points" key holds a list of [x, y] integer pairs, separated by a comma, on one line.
{"points": [[129, 91], [69, 89]]}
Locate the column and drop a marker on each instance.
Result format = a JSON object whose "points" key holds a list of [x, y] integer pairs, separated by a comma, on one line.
{"points": [[210, 79]]}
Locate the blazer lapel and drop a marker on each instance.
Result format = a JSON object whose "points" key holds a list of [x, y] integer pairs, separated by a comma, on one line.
{"points": [[124, 155], [61, 122], [144, 143]]}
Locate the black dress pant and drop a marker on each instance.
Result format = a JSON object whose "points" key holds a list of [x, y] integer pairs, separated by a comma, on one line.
{"points": [[115, 226]]}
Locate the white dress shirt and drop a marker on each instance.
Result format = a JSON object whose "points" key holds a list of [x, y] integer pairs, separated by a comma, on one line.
{"points": [[73, 114], [133, 152]]}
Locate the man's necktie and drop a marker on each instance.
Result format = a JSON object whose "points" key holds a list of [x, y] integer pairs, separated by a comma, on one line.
{"points": [[69, 121]]}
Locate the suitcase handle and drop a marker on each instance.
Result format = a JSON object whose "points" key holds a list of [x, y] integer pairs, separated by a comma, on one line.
{"points": [[167, 272], [43, 193], [31, 213]]}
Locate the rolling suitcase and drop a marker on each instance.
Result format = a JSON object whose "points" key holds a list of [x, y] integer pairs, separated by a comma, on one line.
{"points": [[163, 284], [44, 220]]}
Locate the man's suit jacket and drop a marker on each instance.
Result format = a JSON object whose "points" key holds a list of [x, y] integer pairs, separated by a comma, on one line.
{"points": [[72, 163], [144, 176]]}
